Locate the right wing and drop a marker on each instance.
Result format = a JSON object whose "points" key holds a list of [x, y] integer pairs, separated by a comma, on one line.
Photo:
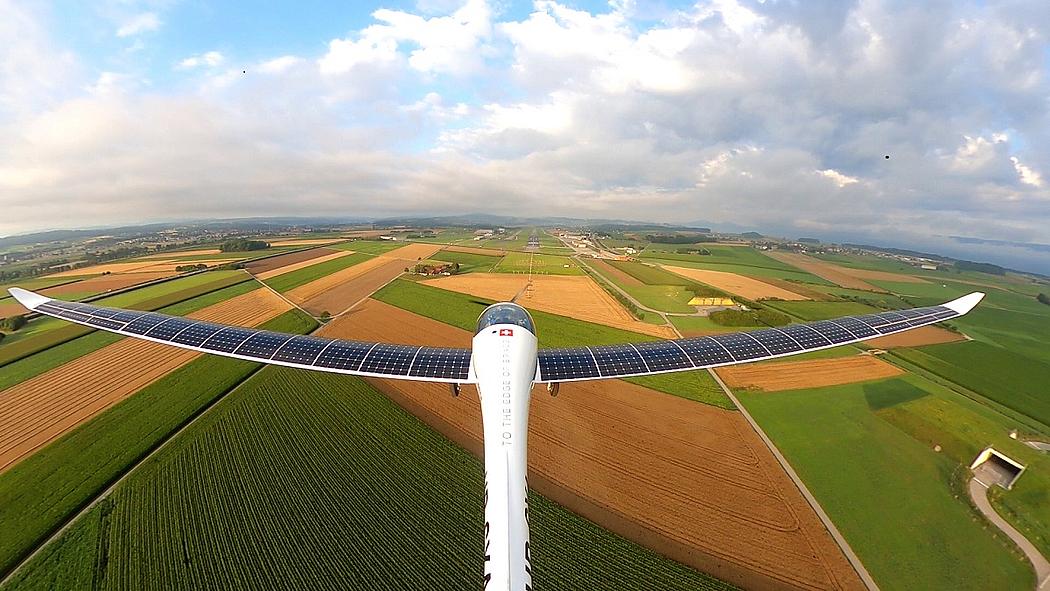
{"points": [[380, 360], [653, 357]]}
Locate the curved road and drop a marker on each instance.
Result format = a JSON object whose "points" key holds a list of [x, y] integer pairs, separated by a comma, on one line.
{"points": [[979, 494]]}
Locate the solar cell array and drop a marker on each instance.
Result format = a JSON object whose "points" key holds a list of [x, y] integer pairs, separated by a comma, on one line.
{"points": [[404, 361], [555, 365], [582, 363]]}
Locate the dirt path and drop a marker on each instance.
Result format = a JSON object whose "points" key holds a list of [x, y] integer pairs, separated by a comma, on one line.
{"points": [[733, 283], [692, 481], [575, 296], [816, 373], [979, 495], [41, 409]]}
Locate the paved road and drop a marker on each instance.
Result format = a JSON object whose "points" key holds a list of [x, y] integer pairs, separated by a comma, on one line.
{"points": [[979, 494]]}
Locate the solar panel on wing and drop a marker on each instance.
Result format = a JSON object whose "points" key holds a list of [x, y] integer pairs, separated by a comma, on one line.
{"points": [[263, 344], [705, 351], [663, 355], [775, 341], [831, 331], [196, 334], [228, 339], [301, 349], [567, 364], [437, 362], [389, 359], [145, 322], [618, 360], [741, 346], [168, 329]]}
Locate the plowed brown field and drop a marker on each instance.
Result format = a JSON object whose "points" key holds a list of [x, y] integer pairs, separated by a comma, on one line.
{"points": [[927, 335], [792, 375], [43, 408], [824, 270], [11, 308], [342, 297], [692, 481], [576, 296], [316, 288], [746, 287], [613, 273], [297, 260]]}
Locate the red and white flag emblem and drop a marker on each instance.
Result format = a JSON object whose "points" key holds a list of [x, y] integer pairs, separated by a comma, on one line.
{"points": [[506, 332]]}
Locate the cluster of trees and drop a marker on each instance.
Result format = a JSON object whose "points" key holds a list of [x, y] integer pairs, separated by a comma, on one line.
{"points": [[981, 267], [12, 323], [432, 269], [756, 317], [1043, 299], [678, 238], [699, 251], [243, 245], [187, 268]]}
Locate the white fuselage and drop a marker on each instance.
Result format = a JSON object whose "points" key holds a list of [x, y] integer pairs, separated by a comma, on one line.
{"points": [[504, 363]]}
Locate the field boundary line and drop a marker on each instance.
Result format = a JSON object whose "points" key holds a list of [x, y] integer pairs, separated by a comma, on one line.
{"points": [[358, 302], [851, 556], [121, 478], [279, 294]]}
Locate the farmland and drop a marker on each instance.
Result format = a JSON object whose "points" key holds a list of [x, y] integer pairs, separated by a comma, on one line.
{"points": [[238, 495], [297, 278], [469, 261], [738, 285], [48, 487], [537, 264]]}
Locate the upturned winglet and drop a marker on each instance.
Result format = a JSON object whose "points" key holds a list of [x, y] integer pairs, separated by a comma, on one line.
{"points": [[966, 303], [27, 298]]}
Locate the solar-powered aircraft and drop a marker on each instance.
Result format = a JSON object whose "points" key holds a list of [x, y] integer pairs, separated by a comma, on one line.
{"points": [[504, 362]]}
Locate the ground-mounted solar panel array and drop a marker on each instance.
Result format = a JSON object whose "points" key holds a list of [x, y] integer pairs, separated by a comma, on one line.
{"points": [[355, 357], [582, 363]]}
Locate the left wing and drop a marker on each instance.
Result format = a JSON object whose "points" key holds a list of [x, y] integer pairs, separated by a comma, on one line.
{"points": [[380, 360]]}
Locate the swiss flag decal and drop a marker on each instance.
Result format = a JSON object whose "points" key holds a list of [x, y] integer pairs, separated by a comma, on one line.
{"points": [[506, 332]]}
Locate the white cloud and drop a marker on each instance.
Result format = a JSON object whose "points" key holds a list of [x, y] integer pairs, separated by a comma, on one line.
{"points": [[840, 180], [143, 22], [280, 64], [1026, 174], [209, 59]]}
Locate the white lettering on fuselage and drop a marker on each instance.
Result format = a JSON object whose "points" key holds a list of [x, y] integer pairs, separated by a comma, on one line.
{"points": [[506, 387]]}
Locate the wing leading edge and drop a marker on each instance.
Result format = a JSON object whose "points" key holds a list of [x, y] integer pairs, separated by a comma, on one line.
{"points": [[449, 365], [653, 357], [382, 360]]}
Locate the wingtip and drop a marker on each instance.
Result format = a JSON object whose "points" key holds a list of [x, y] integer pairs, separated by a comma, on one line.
{"points": [[27, 298], [966, 303]]}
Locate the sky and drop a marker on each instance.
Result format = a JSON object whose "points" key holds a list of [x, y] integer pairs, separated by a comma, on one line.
{"points": [[774, 115]]}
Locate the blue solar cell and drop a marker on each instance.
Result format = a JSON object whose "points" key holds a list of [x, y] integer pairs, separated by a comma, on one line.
{"points": [[145, 322], [301, 349], [741, 346], [806, 336], [228, 339], [343, 355], [195, 335], [663, 355], [704, 351], [831, 331], [105, 323], [263, 344], [105, 312], [166, 330], [127, 315], [389, 359], [777, 342], [856, 327], [435, 362], [567, 364], [618, 360]]}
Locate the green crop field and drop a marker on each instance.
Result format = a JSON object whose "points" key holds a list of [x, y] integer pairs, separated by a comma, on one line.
{"points": [[663, 291], [367, 497], [293, 279], [540, 264], [649, 274], [44, 332], [759, 273], [693, 385], [1008, 378], [469, 262], [892, 496], [807, 311], [46, 488]]}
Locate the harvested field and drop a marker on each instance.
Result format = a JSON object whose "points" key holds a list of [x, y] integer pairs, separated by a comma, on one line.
{"points": [[926, 335], [792, 375], [621, 278], [11, 308], [691, 481], [413, 252], [576, 296], [183, 253], [825, 270], [313, 289], [492, 252], [286, 263], [308, 242], [43, 408], [139, 266], [341, 297], [746, 287]]}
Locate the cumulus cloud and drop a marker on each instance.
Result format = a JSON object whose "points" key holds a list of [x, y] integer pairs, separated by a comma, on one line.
{"points": [[208, 59], [774, 115], [137, 24]]}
